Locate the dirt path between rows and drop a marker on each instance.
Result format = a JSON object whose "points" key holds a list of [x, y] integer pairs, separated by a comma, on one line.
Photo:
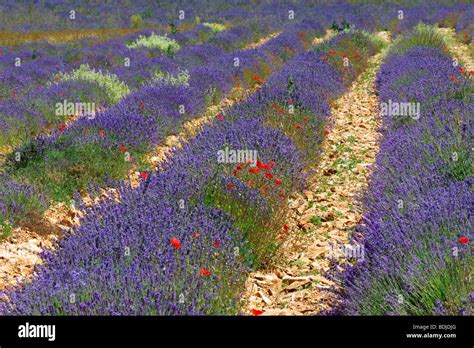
{"points": [[326, 212]]}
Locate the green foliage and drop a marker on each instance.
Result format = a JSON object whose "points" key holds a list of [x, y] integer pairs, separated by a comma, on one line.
{"points": [[316, 220], [376, 41], [215, 27], [62, 172], [180, 79], [136, 21], [163, 43], [422, 35], [6, 229], [114, 88], [173, 28], [261, 236]]}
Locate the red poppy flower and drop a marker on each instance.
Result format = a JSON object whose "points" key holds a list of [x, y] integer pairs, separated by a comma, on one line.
{"points": [[281, 111], [274, 106], [285, 228], [464, 240], [327, 132], [257, 312], [122, 148], [237, 85], [453, 78], [299, 126], [205, 272], [142, 106], [258, 164], [271, 163], [196, 235], [281, 236], [269, 175], [346, 68], [332, 52], [278, 181], [234, 171], [305, 119], [266, 167], [175, 243], [230, 186], [216, 244], [220, 117], [62, 127], [251, 183], [254, 170], [144, 175], [461, 70], [102, 133]]}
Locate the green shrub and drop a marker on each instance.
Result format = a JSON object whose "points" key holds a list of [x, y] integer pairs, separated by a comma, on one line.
{"points": [[115, 89], [180, 79], [421, 35], [136, 21], [163, 43], [215, 27], [62, 172]]}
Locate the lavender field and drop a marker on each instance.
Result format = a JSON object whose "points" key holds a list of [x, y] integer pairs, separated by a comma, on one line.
{"points": [[236, 158]]}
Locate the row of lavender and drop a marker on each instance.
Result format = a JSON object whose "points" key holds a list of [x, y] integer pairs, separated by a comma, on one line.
{"points": [[41, 60], [65, 162], [54, 16], [418, 224], [26, 70], [181, 242]]}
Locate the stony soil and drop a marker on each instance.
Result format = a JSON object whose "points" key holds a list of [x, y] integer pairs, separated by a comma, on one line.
{"points": [[326, 212]]}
